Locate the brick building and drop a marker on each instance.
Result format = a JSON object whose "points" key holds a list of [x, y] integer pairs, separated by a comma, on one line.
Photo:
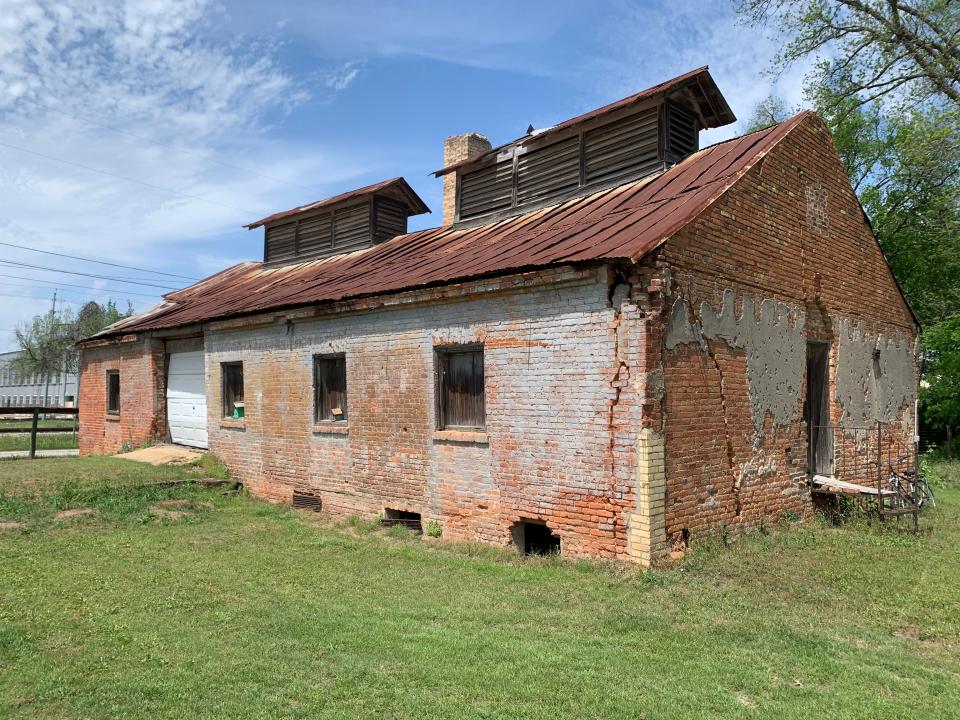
{"points": [[614, 341]]}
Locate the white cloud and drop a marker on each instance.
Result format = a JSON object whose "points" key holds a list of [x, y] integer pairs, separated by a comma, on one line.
{"points": [[648, 42], [153, 91], [498, 34]]}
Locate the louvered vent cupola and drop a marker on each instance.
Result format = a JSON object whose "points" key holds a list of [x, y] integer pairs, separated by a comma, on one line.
{"points": [[351, 221], [619, 143]]}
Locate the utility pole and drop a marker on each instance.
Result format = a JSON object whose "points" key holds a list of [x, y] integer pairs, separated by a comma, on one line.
{"points": [[46, 374]]}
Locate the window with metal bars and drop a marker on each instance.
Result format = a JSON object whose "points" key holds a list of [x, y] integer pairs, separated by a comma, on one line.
{"points": [[460, 388], [113, 392], [232, 381], [329, 388]]}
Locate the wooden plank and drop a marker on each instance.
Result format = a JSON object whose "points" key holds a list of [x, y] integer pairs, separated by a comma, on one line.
{"points": [[843, 485]]}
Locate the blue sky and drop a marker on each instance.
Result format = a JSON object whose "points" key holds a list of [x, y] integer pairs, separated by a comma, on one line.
{"points": [[148, 132]]}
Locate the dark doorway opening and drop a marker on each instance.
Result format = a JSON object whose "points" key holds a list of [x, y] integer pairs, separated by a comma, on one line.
{"points": [[410, 520], [533, 537], [817, 410]]}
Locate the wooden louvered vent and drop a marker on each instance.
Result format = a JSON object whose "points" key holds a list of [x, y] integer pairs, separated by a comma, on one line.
{"points": [[548, 171], [486, 190], [683, 134], [604, 154], [622, 150]]}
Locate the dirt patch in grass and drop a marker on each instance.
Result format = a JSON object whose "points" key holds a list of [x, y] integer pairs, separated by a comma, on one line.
{"points": [[10, 525], [169, 514], [73, 513], [177, 508], [908, 631]]}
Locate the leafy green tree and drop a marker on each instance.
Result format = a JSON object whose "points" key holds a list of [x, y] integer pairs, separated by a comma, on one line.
{"points": [[940, 388], [768, 111], [48, 342], [886, 80], [870, 49]]}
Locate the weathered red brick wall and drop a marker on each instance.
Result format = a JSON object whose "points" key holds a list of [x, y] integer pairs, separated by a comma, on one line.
{"points": [[142, 416], [562, 410], [785, 256]]}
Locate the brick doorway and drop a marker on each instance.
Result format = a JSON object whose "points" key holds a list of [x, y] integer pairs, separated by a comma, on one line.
{"points": [[817, 410]]}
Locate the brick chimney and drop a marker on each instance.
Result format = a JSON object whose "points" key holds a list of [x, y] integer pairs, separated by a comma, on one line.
{"points": [[457, 148]]}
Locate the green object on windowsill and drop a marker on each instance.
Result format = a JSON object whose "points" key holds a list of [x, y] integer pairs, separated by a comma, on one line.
{"points": [[237, 410]]}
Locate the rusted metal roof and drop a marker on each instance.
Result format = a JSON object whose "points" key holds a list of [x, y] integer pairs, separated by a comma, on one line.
{"points": [[700, 79], [625, 222], [396, 186]]}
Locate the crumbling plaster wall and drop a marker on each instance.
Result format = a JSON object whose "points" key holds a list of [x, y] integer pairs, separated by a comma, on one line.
{"points": [[772, 339], [876, 376]]}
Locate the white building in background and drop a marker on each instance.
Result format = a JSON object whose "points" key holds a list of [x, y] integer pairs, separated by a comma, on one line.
{"points": [[18, 391]]}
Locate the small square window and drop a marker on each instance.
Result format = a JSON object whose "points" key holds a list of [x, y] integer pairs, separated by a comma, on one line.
{"points": [[460, 388], [329, 388], [113, 392], [232, 380]]}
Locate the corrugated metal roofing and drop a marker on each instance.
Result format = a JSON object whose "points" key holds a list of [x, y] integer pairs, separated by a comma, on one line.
{"points": [[397, 185], [625, 222], [700, 77]]}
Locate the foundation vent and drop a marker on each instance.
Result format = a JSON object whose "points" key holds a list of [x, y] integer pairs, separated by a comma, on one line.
{"points": [[410, 520], [306, 501]]}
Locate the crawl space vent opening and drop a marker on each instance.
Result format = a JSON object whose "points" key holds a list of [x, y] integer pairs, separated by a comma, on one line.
{"points": [[410, 520], [533, 537], [306, 501]]}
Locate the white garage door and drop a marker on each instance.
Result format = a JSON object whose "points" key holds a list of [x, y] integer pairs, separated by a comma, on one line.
{"points": [[187, 399]]}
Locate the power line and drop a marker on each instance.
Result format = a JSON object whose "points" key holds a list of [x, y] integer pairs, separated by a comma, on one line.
{"points": [[16, 263], [84, 287], [120, 177], [34, 297], [175, 148], [100, 262], [91, 290]]}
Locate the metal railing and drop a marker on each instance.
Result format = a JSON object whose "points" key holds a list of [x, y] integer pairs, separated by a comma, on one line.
{"points": [[878, 456]]}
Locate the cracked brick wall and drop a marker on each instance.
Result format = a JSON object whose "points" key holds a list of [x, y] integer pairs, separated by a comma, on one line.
{"points": [[785, 256], [562, 409]]}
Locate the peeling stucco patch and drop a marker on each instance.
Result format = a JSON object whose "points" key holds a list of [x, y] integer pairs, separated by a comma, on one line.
{"points": [[875, 376], [772, 339], [679, 329]]}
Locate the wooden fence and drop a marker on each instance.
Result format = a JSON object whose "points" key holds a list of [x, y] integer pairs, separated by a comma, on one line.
{"points": [[33, 413]]}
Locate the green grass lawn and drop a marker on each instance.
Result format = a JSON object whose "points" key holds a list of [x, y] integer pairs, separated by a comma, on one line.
{"points": [[45, 441], [50, 423], [235, 608]]}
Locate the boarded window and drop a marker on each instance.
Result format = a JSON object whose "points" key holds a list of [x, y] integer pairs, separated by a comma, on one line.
{"points": [[113, 392], [460, 398], [329, 388], [232, 379]]}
